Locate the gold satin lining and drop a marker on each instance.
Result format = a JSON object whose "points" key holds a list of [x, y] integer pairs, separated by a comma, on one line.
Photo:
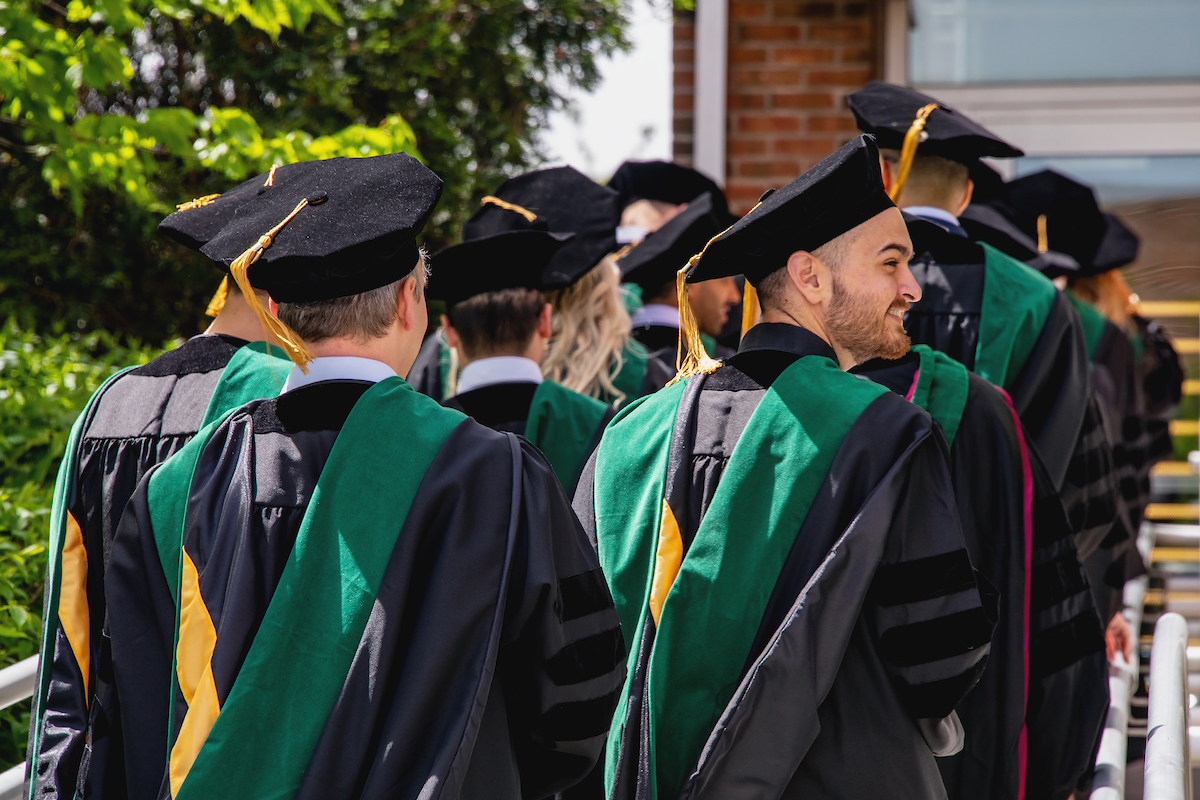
{"points": [[73, 613], [197, 640], [750, 308], [667, 560]]}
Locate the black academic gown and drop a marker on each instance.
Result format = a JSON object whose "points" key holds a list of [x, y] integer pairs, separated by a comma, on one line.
{"points": [[1052, 391], [140, 419], [1046, 612], [489, 512], [829, 699]]}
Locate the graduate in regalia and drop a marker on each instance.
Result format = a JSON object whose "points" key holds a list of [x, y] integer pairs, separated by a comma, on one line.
{"points": [[348, 589], [1046, 672], [992, 313], [781, 537], [652, 265], [137, 419], [499, 322]]}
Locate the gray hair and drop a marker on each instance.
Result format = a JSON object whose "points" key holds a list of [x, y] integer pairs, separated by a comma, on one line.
{"points": [[361, 317]]}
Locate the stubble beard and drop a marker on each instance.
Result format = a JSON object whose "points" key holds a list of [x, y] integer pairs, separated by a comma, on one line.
{"points": [[860, 332]]}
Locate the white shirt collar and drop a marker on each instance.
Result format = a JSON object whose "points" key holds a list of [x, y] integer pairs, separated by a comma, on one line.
{"points": [[332, 368], [934, 214], [656, 314], [498, 369]]}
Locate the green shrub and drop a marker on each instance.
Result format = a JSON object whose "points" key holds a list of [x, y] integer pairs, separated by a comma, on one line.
{"points": [[45, 381]]}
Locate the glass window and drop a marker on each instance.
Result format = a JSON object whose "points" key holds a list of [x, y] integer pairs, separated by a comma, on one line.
{"points": [[1124, 179], [1022, 41]]}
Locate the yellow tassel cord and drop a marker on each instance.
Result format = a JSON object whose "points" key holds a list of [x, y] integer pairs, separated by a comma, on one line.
{"points": [[496, 201], [293, 344], [271, 176], [199, 202], [1043, 239], [218, 300], [749, 308], [697, 359], [909, 151]]}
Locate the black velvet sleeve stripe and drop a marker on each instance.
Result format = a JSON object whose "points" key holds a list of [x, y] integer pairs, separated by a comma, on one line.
{"points": [[572, 722], [1059, 647], [935, 639], [923, 579], [588, 658], [937, 699], [1056, 580], [583, 594]]}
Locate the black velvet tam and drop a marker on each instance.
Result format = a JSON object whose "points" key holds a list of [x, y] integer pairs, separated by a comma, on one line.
{"points": [[838, 194], [357, 233], [1074, 222], [888, 111], [654, 261], [992, 225], [195, 227], [666, 182], [1118, 247], [511, 260], [567, 201]]}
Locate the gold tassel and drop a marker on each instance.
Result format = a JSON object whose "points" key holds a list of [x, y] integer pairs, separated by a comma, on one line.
{"points": [[271, 176], [496, 201], [909, 151], [1043, 239], [218, 300], [697, 359], [292, 344], [199, 202], [749, 308]]}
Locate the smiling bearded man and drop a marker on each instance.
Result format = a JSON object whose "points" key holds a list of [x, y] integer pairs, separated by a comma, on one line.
{"points": [[781, 538]]}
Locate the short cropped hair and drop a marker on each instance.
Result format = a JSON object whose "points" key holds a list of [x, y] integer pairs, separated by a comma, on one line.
{"points": [[360, 317], [772, 289], [932, 180], [497, 323]]}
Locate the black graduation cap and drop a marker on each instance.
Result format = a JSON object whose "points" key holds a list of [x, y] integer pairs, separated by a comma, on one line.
{"points": [[888, 111], [839, 193], [347, 226], [653, 262], [196, 222], [1118, 247], [993, 225], [565, 201], [510, 260], [1060, 214], [666, 182]]}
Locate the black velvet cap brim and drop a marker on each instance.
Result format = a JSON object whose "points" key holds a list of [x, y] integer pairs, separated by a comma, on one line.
{"points": [[1074, 222], [838, 194], [195, 227], [512, 260], [357, 233], [986, 224], [568, 201], [666, 182], [654, 261], [887, 111], [1118, 247]]}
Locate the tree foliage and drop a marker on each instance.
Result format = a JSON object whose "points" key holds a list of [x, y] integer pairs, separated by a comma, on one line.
{"points": [[113, 111]]}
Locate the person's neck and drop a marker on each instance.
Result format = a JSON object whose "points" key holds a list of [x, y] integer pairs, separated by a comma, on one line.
{"points": [[386, 349], [533, 351], [803, 318], [237, 320]]}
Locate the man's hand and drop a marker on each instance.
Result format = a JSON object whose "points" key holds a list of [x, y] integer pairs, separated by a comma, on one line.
{"points": [[1118, 637]]}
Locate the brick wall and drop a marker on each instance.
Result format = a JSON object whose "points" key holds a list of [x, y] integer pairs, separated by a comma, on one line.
{"points": [[684, 78], [790, 66]]}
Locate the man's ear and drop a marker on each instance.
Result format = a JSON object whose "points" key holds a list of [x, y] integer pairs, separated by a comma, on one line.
{"points": [[544, 328], [451, 334], [966, 198], [407, 300], [811, 277]]}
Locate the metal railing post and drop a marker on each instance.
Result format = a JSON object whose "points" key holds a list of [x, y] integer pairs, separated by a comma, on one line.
{"points": [[1168, 749]]}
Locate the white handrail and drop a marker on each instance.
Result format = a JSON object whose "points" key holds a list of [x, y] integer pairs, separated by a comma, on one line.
{"points": [[17, 681], [1168, 750], [1109, 780]]}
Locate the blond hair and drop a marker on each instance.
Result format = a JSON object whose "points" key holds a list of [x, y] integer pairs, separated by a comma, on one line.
{"points": [[589, 333]]}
